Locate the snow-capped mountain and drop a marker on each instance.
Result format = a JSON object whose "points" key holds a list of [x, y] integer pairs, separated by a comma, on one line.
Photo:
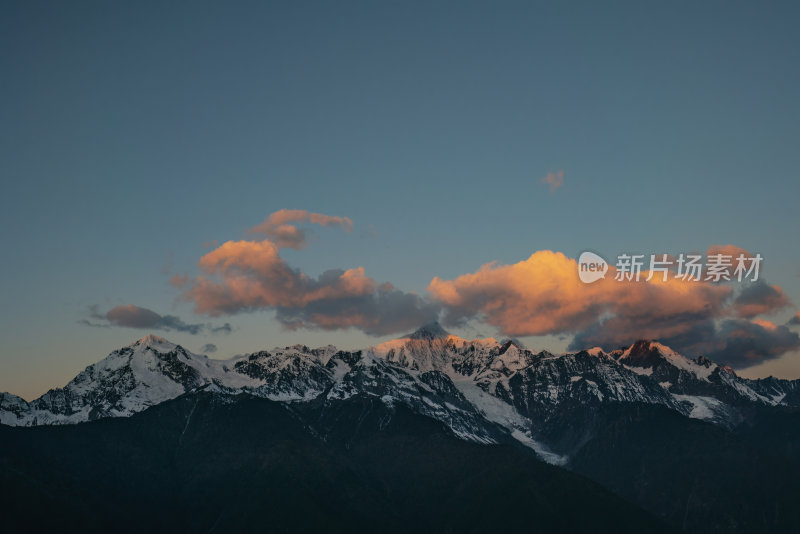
{"points": [[485, 390]]}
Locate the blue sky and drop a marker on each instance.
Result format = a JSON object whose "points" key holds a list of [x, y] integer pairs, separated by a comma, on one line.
{"points": [[130, 135]]}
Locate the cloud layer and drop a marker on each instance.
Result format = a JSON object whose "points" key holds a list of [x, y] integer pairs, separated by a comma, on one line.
{"points": [[131, 316], [541, 295]]}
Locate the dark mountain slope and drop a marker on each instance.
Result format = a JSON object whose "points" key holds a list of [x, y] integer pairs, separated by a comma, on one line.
{"points": [[208, 462], [696, 475]]}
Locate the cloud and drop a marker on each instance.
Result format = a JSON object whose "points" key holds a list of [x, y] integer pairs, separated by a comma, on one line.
{"points": [[735, 342], [208, 348], [131, 316], [760, 298], [254, 276], [278, 228], [241, 276], [734, 252], [543, 295], [222, 329], [741, 343], [386, 310], [554, 180], [795, 319]]}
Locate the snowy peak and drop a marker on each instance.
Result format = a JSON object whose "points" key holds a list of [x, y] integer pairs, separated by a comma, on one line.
{"points": [[155, 342], [647, 357], [430, 331], [440, 352]]}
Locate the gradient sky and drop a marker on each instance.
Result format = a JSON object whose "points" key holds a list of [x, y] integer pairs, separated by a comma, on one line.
{"points": [[131, 134]]}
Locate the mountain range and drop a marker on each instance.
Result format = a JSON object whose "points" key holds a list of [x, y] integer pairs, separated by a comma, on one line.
{"points": [[483, 389], [675, 436]]}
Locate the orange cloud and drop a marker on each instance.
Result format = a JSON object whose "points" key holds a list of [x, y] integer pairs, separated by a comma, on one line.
{"points": [[543, 295], [734, 252], [728, 250], [554, 180], [241, 276], [763, 323], [279, 229], [252, 275]]}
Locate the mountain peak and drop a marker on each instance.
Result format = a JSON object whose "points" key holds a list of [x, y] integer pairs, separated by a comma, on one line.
{"points": [[646, 348], [430, 331], [643, 353], [151, 340], [507, 343], [643, 345]]}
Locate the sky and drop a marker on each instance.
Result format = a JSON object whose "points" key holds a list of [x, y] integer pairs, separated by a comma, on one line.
{"points": [[235, 177]]}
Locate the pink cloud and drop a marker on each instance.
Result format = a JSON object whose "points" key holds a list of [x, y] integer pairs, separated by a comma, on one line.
{"points": [[279, 228], [734, 252], [543, 295], [252, 275], [554, 180], [242, 276]]}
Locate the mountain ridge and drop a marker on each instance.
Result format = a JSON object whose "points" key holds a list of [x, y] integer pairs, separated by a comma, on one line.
{"points": [[485, 390]]}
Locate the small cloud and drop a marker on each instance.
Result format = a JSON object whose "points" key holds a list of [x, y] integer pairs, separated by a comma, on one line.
{"points": [[795, 320], [554, 180], [371, 231], [208, 348], [131, 316], [179, 280], [281, 229], [224, 329], [759, 298]]}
